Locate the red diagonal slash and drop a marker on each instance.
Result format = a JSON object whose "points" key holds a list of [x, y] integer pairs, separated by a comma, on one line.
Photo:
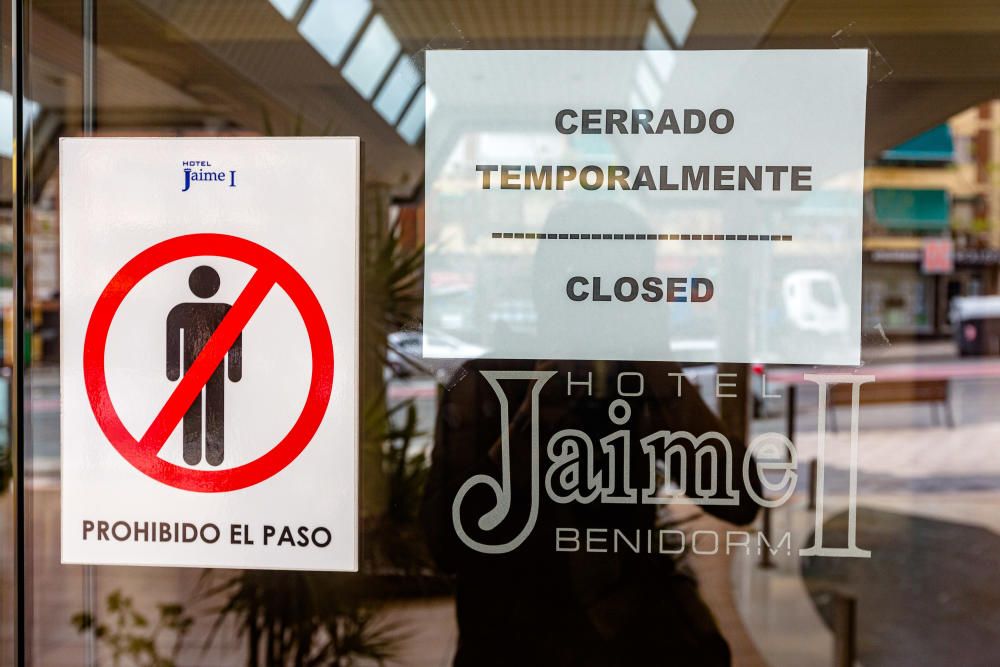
{"points": [[215, 350]]}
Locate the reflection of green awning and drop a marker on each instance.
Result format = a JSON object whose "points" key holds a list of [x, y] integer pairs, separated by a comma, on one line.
{"points": [[934, 145], [924, 210]]}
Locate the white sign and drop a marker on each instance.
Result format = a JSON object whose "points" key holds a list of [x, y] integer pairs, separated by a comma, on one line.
{"points": [[689, 206], [208, 285]]}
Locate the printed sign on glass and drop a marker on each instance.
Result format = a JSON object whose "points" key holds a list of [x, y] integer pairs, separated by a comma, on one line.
{"points": [[689, 206], [209, 352]]}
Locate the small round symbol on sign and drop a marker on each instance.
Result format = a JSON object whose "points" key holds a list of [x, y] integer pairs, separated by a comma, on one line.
{"points": [[271, 271]]}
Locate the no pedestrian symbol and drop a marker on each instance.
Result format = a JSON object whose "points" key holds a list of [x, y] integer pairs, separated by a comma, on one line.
{"points": [[202, 371]]}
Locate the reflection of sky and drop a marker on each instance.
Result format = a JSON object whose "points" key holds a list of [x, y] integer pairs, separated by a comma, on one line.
{"points": [[7, 121], [412, 124], [397, 90], [654, 39], [329, 25], [372, 57], [678, 16], [287, 7]]}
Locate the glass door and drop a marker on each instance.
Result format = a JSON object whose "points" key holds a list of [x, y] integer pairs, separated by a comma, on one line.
{"points": [[524, 496]]}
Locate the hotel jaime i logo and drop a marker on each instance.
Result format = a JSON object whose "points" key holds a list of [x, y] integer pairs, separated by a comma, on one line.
{"points": [[198, 172], [620, 468]]}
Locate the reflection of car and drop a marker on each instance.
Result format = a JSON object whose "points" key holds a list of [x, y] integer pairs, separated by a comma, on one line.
{"points": [[976, 321], [404, 352], [814, 302], [445, 353]]}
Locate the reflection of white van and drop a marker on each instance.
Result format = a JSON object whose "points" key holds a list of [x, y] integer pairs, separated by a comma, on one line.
{"points": [[814, 302]]}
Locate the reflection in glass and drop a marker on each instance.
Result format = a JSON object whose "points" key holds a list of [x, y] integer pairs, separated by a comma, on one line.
{"points": [[330, 25], [678, 16], [287, 7], [654, 40], [397, 90], [7, 121], [412, 125], [372, 57], [928, 485]]}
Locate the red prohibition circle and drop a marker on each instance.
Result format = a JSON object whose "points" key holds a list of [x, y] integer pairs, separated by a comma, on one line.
{"points": [[320, 341]]}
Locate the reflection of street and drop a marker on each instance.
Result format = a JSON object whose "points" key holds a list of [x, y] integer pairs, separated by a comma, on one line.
{"points": [[972, 390], [60, 591], [43, 408], [910, 465], [43, 413], [779, 614], [907, 465]]}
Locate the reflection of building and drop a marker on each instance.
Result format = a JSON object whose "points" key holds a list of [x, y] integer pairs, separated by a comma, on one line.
{"points": [[932, 224]]}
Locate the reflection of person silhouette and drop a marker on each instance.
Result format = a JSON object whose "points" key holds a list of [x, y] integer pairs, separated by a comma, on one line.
{"points": [[199, 321], [537, 605]]}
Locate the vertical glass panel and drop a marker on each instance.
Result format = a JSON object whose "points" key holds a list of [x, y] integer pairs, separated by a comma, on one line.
{"points": [[8, 515], [412, 125], [397, 89], [330, 25], [372, 57]]}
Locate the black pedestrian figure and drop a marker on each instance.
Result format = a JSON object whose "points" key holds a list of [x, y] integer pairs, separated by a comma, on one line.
{"points": [[199, 321]]}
